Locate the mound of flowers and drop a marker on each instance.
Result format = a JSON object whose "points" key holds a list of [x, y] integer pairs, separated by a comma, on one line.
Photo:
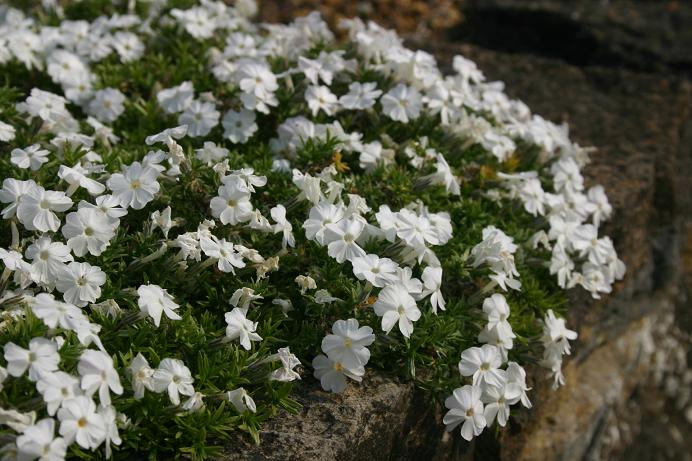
{"points": [[199, 210]]}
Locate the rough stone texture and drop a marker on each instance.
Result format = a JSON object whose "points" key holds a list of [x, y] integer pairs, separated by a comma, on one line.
{"points": [[368, 415], [644, 35], [618, 72], [407, 16]]}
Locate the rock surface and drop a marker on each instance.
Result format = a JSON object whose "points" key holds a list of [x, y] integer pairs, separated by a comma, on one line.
{"points": [[620, 78]]}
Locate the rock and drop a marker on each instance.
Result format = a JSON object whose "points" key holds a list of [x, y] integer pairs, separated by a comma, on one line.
{"points": [[642, 35], [407, 16], [618, 73]]}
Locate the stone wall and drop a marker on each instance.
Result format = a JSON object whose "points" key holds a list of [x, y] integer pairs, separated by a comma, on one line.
{"points": [[619, 74]]}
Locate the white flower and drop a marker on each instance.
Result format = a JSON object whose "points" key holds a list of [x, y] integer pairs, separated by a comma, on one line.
{"points": [[497, 400], [232, 205], [7, 132], [341, 238], [348, 343], [320, 98], [402, 103], [55, 313], [223, 251], [167, 136], [109, 205], [324, 297], [88, 230], [245, 178], [243, 297], [241, 400], [556, 335], [467, 69], [483, 363], [79, 422], [515, 374], [320, 216], [498, 144], [309, 186], [98, 374], [128, 46], [77, 177], [42, 357], [566, 175], [194, 403], [12, 192], [66, 68], [47, 258], [332, 375], [57, 387], [444, 176], [465, 407], [373, 155], [162, 220], [285, 304], [288, 362], [395, 305], [415, 230], [497, 310], [282, 225], [240, 327], [177, 98], [37, 206], [432, 281], [256, 80], [378, 271], [140, 375], [259, 222], [154, 301], [16, 420], [13, 261], [585, 240], [503, 341], [533, 196], [173, 376], [106, 105], [196, 21], [405, 278], [603, 209], [240, 126], [135, 186], [210, 153], [31, 157], [305, 282], [50, 108], [39, 442], [200, 118], [497, 250], [360, 96], [80, 283], [109, 415]]}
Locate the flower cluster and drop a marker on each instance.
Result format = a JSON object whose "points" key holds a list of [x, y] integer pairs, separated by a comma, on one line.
{"points": [[347, 355], [222, 198], [493, 389]]}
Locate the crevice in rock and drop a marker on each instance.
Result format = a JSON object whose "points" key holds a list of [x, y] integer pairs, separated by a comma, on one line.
{"points": [[537, 32], [578, 35]]}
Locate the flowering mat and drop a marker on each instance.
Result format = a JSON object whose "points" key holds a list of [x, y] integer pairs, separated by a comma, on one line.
{"points": [[200, 210]]}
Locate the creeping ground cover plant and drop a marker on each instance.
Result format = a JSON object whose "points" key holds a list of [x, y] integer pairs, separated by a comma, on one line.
{"points": [[199, 210]]}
